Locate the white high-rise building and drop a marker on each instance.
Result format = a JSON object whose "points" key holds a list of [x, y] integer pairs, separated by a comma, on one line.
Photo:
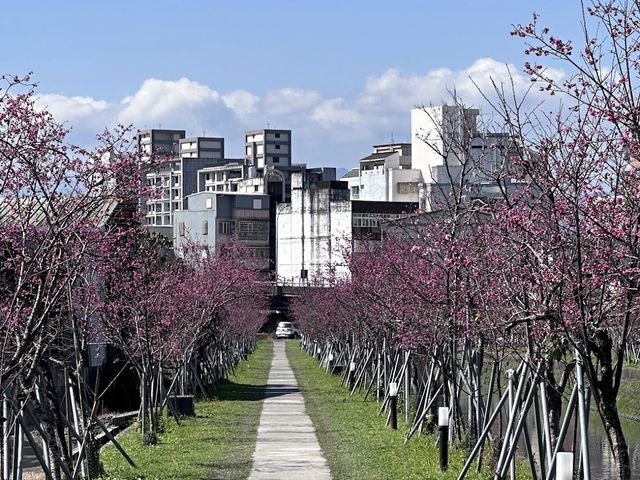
{"points": [[457, 161], [441, 137]]}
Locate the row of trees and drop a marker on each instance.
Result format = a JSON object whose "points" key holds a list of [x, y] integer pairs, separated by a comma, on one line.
{"points": [[550, 270], [77, 268]]}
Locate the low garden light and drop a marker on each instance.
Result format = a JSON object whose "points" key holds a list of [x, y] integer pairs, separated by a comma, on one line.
{"points": [[443, 427], [564, 466], [393, 399], [352, 374]]}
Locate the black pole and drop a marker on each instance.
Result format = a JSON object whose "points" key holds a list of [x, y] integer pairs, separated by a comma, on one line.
{"points": [[393, 421], [444, 448]]}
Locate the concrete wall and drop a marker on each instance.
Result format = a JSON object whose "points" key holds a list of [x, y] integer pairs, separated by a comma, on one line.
{"points": [[373, 185], [313, 232]]}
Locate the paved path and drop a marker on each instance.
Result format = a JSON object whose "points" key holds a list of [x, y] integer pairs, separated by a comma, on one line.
{"points": [[287, 447]]}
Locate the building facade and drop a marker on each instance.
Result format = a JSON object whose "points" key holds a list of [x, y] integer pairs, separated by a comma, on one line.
{"points": [[212, 217], [176, 176], [460, 162], [313, 230], [268, 147], [385, 175], [202, 147]]}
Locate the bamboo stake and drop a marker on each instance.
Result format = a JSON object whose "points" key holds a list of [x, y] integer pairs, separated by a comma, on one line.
{"points": [[113, 440]]}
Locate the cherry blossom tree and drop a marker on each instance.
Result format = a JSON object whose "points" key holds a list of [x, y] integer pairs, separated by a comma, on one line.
{"points": [[56, 204], [578, 237]]}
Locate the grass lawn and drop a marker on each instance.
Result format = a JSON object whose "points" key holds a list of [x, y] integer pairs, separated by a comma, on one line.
{"points": [[629, 395], [354, 438], [217, 444]]}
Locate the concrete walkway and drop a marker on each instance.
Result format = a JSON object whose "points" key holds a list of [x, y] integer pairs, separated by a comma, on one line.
{"points": [[287, 447]]}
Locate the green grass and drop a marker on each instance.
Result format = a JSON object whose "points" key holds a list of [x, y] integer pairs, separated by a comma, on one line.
{"points": [[354, 438], [629, 397], [217, 444]]}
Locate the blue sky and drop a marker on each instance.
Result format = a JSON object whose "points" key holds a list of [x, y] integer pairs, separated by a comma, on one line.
{"points": [[342, 75]]}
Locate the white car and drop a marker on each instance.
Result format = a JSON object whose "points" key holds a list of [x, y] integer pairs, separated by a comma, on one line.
{"points": [[285, 330]]}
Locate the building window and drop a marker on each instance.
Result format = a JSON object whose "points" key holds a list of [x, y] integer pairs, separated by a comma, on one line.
{"points": [[209, 202], [205, 227], [407, 187], [256, 188], [257, 203], [253, 230], [277, 147], [304, 274], [225, 227], [367, 219], [181, 229], [276, 159], [277, 135]]}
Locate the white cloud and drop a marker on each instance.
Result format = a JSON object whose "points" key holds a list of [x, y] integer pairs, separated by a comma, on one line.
{"points": [[393, 91], [333, 113], [242, 103], [167, 100], [70, 108], [290, 100], [350, 124]]}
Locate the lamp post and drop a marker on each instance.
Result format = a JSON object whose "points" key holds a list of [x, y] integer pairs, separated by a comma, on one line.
{"points": [[393, 399], [443, 427]]}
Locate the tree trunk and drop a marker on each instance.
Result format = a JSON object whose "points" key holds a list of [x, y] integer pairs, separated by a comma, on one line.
{"points": [[605, 394], [554, 402], [611, 420]]}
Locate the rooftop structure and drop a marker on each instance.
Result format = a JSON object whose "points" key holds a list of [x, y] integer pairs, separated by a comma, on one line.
{"points": [[268, 147], [385, 175]]}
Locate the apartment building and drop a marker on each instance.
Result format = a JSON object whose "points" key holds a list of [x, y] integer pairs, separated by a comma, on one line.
{"points": [[385, 176], [202, 147], [175, 177], [321, 225], [223, 178], [268, 148], [458, 160], [213, 217], [159, 142]]}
